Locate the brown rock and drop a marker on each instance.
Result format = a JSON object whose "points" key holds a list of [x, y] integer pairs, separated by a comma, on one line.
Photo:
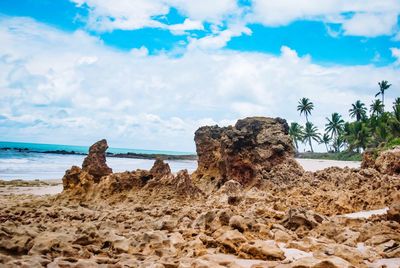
{"points": [[296, 218], [264, 250], [95, 163], [184, 184], [388, 162], [393, 214], [368, 159], [160, 169], [244, 151]]}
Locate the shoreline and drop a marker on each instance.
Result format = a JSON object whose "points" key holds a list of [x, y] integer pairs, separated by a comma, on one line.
{"points": [[108, 154], [52, 186]]}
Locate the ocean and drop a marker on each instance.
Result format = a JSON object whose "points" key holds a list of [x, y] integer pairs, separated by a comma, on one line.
{"points": [[28, 165]]}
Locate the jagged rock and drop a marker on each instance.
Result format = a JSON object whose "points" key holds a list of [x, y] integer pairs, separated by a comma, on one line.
{"points": [[368, 159], [388, 162], [184, 184], [264, 250], [160, 169], [95, 163], [244, 151], [393, 214], [296, 218]]}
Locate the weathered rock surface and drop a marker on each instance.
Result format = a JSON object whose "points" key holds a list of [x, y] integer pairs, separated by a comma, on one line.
{"points": [[249, 204], [95, 163], [386, 162], [243, 152]]}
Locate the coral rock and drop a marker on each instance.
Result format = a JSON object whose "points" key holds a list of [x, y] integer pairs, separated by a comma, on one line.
{"points": [[244, 151], [95, 162], [388, 162], [296, 218]]}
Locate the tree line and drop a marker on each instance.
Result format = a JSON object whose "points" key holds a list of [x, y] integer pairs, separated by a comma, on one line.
{"points": [[367, 130]]}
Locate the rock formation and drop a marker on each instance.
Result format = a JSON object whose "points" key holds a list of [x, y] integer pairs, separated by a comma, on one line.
{"points": [[386, 162], [244, 152], [249, 204], [95, 163]]}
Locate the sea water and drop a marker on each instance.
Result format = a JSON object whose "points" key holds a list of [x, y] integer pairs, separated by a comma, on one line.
{"points": [[32, 165]]}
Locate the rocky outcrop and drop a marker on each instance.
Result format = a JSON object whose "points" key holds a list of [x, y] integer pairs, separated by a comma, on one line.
{"points": [[386, 162], [95, 163], [242, 152]]}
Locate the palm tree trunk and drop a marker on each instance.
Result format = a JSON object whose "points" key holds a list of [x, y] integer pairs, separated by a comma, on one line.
{"points": [[326, 146], [309, 141], [306, 118], [383, 100], [297, 146]]}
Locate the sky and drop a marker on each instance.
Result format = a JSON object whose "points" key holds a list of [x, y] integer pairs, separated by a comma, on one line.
{"points": [[147, 73]]}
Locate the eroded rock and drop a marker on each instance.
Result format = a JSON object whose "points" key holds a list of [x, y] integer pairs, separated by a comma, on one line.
{"points": [[95, 163]]}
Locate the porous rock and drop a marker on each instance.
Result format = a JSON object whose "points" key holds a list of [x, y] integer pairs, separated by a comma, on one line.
{"points": [[244, 151], [95, 163]]}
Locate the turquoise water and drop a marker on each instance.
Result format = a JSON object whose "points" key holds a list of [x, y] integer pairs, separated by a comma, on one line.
{"points": [[41, 147], [30, 165]]}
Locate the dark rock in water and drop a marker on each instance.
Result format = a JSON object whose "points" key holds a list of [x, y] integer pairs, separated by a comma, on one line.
{"points": [[95, 163], [243, 152]]}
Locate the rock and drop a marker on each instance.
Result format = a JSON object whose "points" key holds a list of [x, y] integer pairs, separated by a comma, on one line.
{"points": [[393, 214], [244, 151], [184, 184], [296, 218], [237, 222], [95, 162], [368, 159], [282, 236], [330, 262], [263, 250], [231, 241], [388, 162], [160, 169]]}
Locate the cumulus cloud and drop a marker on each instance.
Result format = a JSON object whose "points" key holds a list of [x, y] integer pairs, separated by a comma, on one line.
{"points": [[360, 18], [75, 90], [357, 17]]}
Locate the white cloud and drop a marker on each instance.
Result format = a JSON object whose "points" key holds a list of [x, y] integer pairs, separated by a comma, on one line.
{"points": [[187, 25], [359, 17], [219, 39], [76, 90], [371, 24], [396, 54], [368, 18]]}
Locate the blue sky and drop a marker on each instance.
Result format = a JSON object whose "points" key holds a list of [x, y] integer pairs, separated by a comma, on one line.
{"points": [[146, 73]]}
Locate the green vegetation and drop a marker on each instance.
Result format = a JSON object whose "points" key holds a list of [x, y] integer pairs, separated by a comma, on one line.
{"points": [[346, 140]]}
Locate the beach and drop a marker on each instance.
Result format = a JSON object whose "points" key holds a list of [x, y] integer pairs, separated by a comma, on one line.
{"points": [[246, 202], [50, 168]]}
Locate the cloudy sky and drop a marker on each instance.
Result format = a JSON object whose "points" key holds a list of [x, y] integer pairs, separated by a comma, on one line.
{"points": [[146, 73]]}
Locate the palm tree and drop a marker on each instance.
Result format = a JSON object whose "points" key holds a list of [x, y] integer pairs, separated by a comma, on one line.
{"points": [[296, 132], [376, 108], [311, 133], [305, 106], [358, 110], [357, 135], [326, 139], [396, 101], [383, 86], [335, 127]]}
